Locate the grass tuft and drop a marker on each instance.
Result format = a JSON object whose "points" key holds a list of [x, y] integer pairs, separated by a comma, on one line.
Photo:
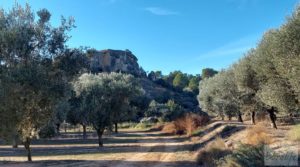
{"points": [[210, 155], [294, 133], [257, 135]]}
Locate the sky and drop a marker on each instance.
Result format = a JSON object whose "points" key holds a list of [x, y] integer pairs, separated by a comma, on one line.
{"points": [[168, 35]]}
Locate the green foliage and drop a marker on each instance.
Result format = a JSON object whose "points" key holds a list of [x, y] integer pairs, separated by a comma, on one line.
{"points": [[208, 72], [32, 83], [106, 98], [168, 111], [180, 81], [194, 84], [144, 125], [219, 94], [266, 78], [47, 131], [155, 75], [174, 111]]}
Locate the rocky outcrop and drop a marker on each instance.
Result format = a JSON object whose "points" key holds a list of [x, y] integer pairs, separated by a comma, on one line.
{"points": [[125, 62], [115, 61]]}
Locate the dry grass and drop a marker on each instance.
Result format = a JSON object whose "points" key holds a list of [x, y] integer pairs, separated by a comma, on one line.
{"points": [[210, 155], [186, 125], [257, 135], [169, 128], [294, 133], [157, 127]]}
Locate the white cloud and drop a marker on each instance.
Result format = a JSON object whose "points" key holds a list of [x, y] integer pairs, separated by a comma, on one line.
{"points": [[160, 11], [237, 47]]}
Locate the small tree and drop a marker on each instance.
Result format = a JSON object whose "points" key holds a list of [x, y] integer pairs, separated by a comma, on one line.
{"points": [[180, 81], [100, 93], [208, 72]]}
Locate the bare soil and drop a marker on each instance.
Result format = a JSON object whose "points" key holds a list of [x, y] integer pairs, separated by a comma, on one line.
{"points": [[133, 148]]}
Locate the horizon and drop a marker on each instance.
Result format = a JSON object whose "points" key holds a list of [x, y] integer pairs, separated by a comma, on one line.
{"points": [[167, 36]]}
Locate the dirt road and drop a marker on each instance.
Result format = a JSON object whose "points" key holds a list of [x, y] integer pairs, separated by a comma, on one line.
{"points": [[126, 149]]}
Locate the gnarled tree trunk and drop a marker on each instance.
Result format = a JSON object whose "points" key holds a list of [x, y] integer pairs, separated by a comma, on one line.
{"points": [[116, 127], [253, 117], [84, 131], [100, 133], [272, 117], [240, 119], [28, 149], [57, 127], [15, 139]]}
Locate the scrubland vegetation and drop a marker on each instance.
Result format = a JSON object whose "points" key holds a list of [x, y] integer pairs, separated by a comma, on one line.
{"points": [[45, 84]]}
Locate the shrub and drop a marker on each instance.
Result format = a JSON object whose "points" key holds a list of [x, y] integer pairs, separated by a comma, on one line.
{"points": [[47, 131], [294, 133], [127, 125], [210, 155], [245, 155], [144, 125], [257, 135], [169, 128], [187, 124], [157, 127]]}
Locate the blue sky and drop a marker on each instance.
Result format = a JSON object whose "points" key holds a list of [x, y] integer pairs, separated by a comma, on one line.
{"points": [[168, 35]]}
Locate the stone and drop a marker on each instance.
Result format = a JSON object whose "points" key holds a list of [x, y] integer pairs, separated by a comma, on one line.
{"points": [[115, 61]]}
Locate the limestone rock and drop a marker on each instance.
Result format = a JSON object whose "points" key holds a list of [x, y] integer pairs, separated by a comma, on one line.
{"points": [[115, 61]]}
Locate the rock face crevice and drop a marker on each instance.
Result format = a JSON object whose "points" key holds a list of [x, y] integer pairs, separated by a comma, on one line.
{"points": [[115, 61]]}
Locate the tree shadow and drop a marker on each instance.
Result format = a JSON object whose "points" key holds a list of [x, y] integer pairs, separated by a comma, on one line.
{"points": [[77, 150], [99, 163]]}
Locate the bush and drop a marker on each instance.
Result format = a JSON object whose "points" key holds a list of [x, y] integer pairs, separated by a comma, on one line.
{"points": [[157, 127], [187, 124], [294, 133], [257, 135], [245, 155], [169, 128], [144, 125], [47, 131], [210, 155], [127, 125]]}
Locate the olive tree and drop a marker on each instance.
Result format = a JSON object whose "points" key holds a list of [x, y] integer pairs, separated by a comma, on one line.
{"points": [[104, 96], [28, 47], [247, 84]]}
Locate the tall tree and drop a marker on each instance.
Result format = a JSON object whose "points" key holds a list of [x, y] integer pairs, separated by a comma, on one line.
{"points": [[28, 48]]}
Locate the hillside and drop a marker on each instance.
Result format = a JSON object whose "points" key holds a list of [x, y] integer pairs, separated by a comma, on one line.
{"points": [[126, 62]]}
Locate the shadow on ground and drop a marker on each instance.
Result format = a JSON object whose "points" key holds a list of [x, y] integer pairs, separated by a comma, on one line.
{"points": [[101, 163]]}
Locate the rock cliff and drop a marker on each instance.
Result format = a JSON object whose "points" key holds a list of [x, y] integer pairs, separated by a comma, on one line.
{"points": [[115, 61], [124, 61]]}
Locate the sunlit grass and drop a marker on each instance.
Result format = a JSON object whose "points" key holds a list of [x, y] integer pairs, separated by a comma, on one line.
{"points": [[294, 133]]}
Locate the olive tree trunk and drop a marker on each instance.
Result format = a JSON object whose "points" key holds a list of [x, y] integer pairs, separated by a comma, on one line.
{"points": [[15, 139], [57, 127], [84, 131], [28, 149], [240, 119], [116, 127], [100, 133], [272, 116], [253, 117]]}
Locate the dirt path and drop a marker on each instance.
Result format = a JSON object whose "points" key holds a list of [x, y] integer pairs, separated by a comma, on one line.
{"points": [[123, 150], [132, 148]]}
